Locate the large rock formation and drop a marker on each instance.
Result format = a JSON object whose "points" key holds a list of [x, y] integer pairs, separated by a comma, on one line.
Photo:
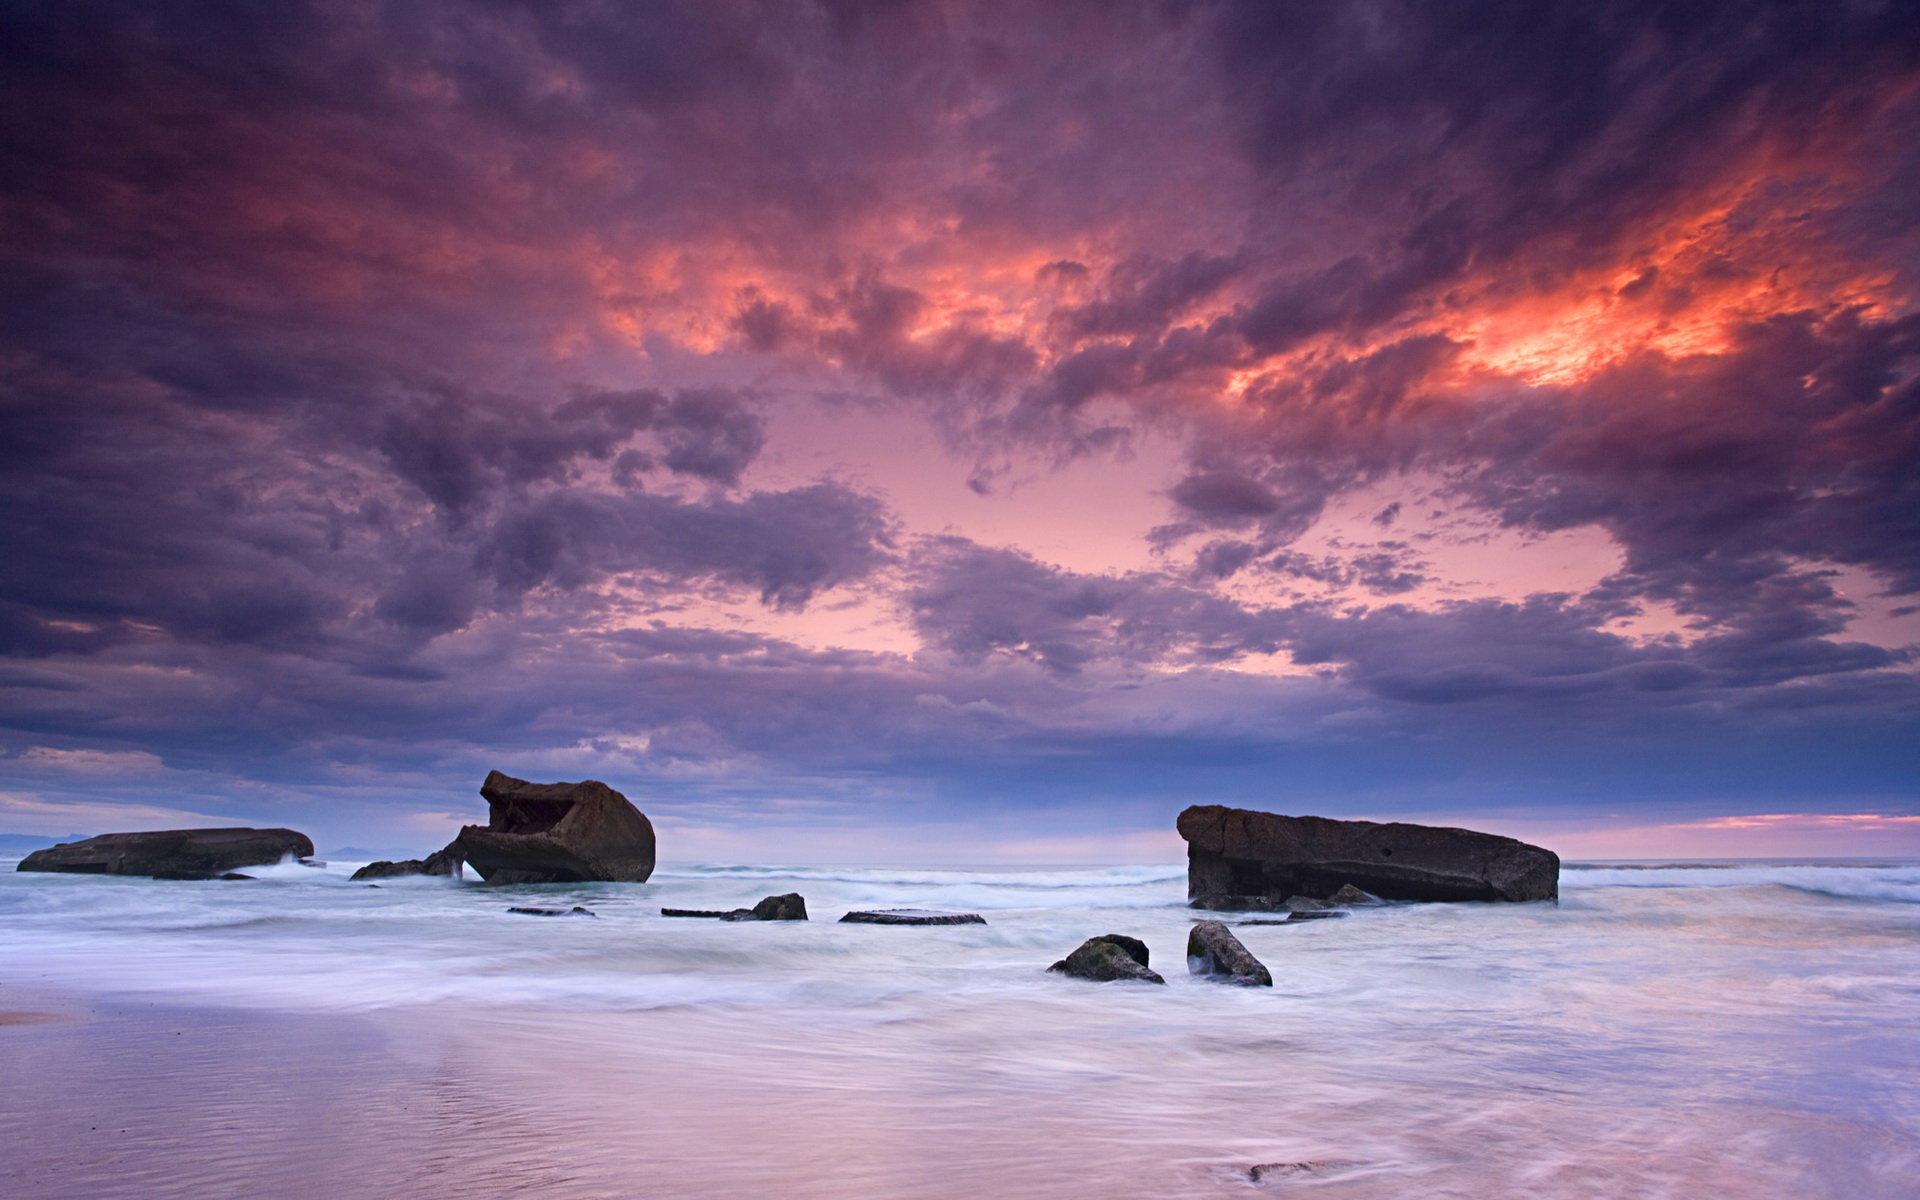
{"points": [[1107, 958], [440, 862], [1238, 860], [1214, 953], [556, 833], [171, 853]]}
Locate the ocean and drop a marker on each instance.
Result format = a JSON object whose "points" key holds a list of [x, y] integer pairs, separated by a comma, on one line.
{"points": [[1728, 1030]]}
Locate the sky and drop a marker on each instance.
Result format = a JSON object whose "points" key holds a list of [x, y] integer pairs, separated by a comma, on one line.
{"points": [[964, 432]]}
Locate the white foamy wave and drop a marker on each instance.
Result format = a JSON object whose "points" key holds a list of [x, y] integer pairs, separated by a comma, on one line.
{"points": [[1895, 881]]}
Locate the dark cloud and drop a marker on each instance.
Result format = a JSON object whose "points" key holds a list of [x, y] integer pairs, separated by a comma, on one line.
{"points": [[378, 376]]}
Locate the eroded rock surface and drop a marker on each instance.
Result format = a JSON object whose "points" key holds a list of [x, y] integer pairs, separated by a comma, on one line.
{"points": [[790, 907], [1107, 958], [171, 853], [557, 833], [1240, 860], [1213, 952], [440, 862]]}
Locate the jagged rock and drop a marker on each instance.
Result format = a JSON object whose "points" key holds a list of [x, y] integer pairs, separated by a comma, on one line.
{"points": [[912, 916], [171, 853], [1238, 859], [790, 907], [557, 833], [576, 910], [1108, 957], [1213, 952], [440, 862]]}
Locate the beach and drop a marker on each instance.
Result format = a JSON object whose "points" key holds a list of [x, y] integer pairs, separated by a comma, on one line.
{"points": [[1747, 1031]]}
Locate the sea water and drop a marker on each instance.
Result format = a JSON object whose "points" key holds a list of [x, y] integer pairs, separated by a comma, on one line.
{"points": [[1724, 1030]]}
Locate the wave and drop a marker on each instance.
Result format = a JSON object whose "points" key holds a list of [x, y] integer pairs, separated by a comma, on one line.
{"points": [[1899, 882]]}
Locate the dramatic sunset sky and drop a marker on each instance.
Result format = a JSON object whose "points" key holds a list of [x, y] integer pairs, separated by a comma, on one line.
{"points": [[965, 432]]}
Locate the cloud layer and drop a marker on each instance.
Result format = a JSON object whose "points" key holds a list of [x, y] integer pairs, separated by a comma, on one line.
{"points": [[1529, 401]]}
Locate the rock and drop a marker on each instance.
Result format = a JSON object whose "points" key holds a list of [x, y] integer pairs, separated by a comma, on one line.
{"points": [[1276, 1170], [1107, 958], [1243, 860], [557, 833], [790, 907], [1350, 895], [1297, 918], [440, 862], [576, 910], [1214, 952], [912, 916], [172, 853]]}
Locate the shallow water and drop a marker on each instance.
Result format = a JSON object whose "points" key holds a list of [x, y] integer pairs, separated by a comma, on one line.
{"points": [[1752, 1030]]}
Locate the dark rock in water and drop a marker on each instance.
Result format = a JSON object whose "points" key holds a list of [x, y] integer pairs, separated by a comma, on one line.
{"points": [[576, 910], [172, 853], [1297, 918], [1350, 895], [1238, 859], [557, 833], [440, 862], [1107, 958], [790, 907], [912, 916], [1278, 1170], [1214, 952]]}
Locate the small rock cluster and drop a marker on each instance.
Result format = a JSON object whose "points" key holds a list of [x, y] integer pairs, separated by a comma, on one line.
{"points": [[790, 907]]}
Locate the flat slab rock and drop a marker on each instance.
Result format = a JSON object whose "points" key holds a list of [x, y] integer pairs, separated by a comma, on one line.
{"points": [[790, 907], [912, 916], [576, 910], [1294, 918], [171, 853], [1241, 860]]}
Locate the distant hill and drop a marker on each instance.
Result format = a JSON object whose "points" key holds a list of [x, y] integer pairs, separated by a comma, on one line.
{"points": [[22, 843]]}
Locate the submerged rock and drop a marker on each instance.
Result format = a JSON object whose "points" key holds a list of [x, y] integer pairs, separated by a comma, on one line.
{"points": [[557, 833], [790, 907], [576, 910], [171, 853], [1254, 861], [440, 862], [1108, 957], [1213, 952], [912, 916], [1295, 918]]}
